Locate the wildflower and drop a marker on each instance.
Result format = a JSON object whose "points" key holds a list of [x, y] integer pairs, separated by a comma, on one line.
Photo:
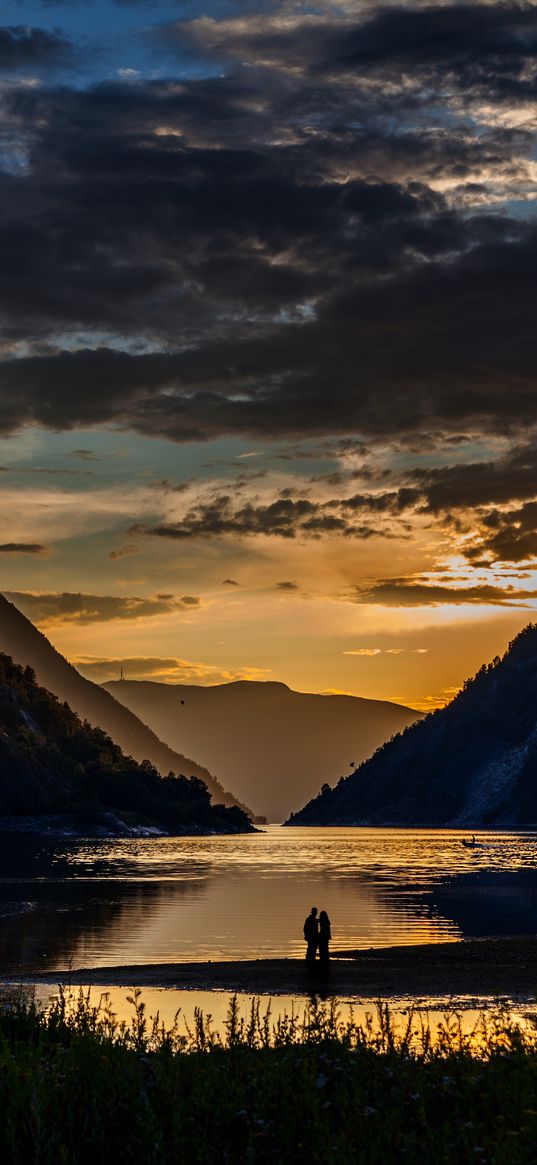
{"points": [[368, 1110]]}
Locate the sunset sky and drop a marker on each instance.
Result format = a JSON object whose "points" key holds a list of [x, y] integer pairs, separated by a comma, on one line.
{"points": [[268, 400]]}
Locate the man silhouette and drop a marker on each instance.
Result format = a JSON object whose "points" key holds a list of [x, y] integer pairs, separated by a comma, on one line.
{"points": [[311, 935]]}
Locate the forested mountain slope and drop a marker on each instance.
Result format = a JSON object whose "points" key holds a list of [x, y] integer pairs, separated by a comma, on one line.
{"points": [[473, 763], [52, 763], [20, 639]]}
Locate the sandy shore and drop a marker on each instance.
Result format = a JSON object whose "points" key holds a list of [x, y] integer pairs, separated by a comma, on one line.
{"points": [[479, 967]]}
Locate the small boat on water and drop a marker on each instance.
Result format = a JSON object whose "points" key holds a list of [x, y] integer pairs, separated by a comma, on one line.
{"points": [[469, 844]]}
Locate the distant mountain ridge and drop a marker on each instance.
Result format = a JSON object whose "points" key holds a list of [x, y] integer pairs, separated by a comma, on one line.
{"points": [[472, 763], [272, 745], [28, 646]]}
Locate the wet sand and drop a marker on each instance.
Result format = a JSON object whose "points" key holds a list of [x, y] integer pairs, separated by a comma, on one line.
{"points": [[477, 967]]}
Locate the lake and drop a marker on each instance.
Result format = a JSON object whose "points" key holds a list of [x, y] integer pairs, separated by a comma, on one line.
{"points": [[91, 903]]}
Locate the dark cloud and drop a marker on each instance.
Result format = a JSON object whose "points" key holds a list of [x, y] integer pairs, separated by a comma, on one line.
{"points": [[471, 46], [22, 548], [230, 582], [287, 586], [274, 251], [79, 608], [124, 551], [23, 47], [219, 517], [507, 536], [283, 518], [482, 44], [402, 592], [461, 494], [466, 485], [389, 502], [443, 340]]}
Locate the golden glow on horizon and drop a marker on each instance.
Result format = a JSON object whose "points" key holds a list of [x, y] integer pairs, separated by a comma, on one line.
{"points": [[398, 614], [300, 643]]}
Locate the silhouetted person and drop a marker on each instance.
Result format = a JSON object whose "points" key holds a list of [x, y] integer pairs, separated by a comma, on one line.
{"points": [[311, 935], [324, 937]]}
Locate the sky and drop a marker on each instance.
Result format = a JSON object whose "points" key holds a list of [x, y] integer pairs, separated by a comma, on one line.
{"points": [[268, 356]]}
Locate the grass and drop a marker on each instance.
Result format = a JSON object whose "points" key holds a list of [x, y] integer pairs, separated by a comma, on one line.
{"points": [[77, 1086]]}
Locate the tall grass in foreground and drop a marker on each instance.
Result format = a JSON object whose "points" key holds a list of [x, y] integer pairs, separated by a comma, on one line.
{"points": [[77, 1085]]}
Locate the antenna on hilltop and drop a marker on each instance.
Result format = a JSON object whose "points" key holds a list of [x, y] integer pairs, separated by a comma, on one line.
{"points": [[121, 676]]}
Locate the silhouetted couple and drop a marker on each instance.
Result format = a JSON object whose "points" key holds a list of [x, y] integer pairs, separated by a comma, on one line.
{"points": [[317, 935]]}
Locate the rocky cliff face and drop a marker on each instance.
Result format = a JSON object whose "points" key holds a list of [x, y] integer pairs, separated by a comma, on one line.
{"points": [[473, 763]]}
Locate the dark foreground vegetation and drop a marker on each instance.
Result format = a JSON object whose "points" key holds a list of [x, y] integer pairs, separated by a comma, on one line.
{"points": [[51, 762], [77, 1086]]}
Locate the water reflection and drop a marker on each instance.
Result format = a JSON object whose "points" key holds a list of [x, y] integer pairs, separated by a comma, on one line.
{"points": [[101, 903], [488, 902]]}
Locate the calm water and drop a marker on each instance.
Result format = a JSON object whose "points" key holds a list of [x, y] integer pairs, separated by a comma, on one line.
{"points": [[102, 903]]}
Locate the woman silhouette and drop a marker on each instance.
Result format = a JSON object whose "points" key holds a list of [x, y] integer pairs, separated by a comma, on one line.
{"points": [[324, 937]]}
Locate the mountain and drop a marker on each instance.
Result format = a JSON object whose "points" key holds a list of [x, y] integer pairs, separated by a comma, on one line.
{"points": [[274, 746], [20, 639], [473, 763], [52, 763]]}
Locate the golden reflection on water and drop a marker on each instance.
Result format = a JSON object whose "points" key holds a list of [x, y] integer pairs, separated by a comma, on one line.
{"points": [[343, 850], [104, 903]]}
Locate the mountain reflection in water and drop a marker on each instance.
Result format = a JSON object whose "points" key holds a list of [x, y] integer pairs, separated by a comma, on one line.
{"points": [[102, 903], [490, 902]]}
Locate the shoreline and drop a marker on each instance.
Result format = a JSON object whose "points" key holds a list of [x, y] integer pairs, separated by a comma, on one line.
{"points": [[494, 967], [108, 827]]}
